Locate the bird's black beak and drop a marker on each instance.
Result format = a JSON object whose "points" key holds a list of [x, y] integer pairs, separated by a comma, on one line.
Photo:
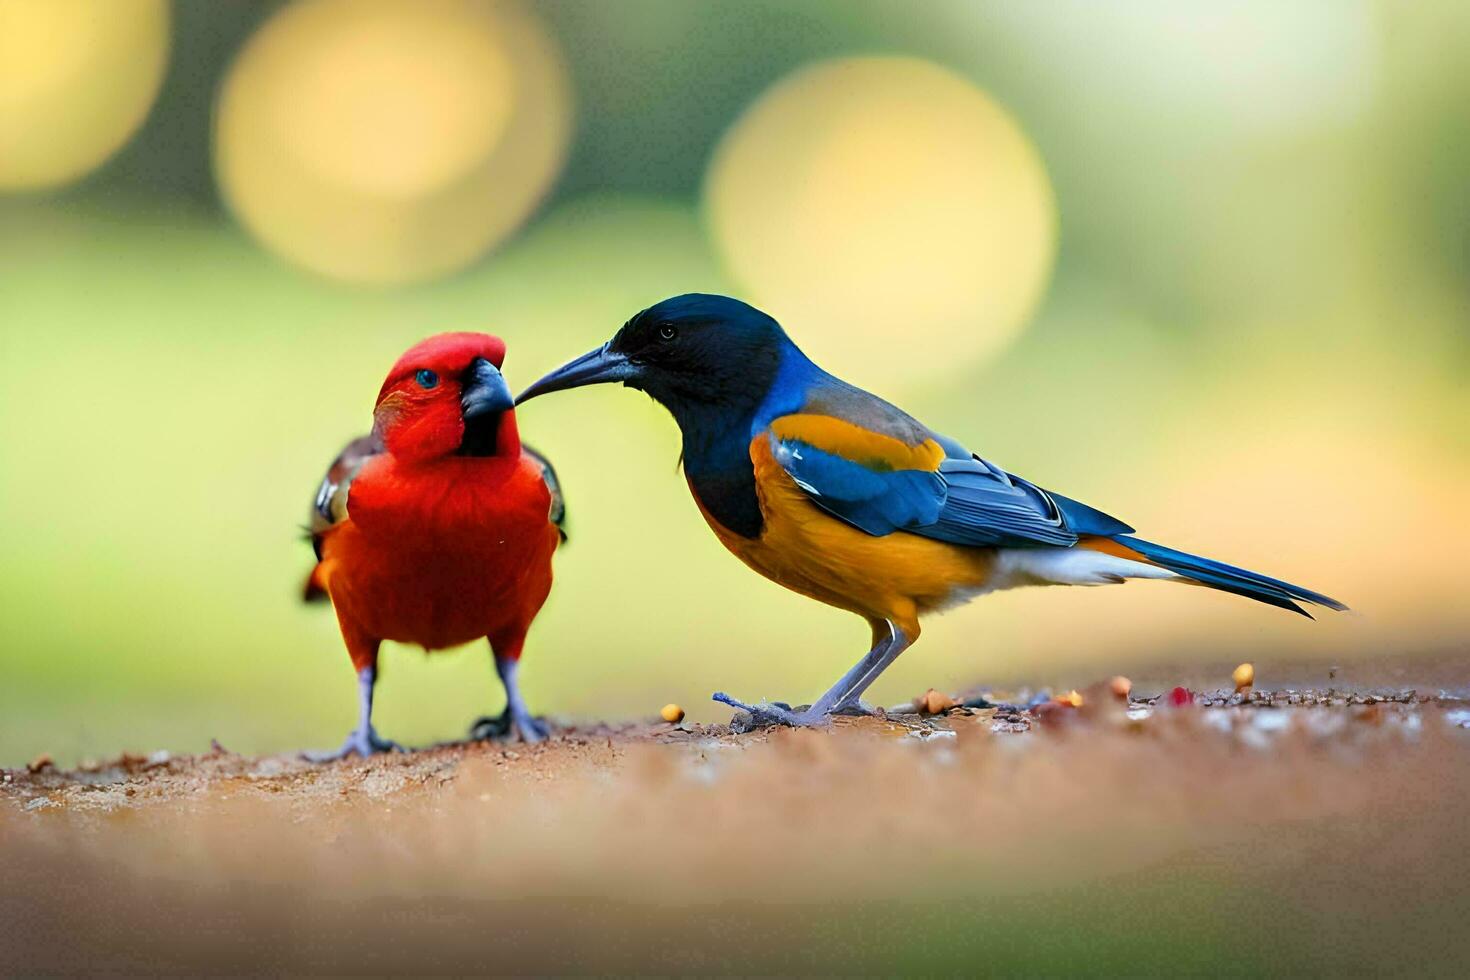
{"points": [[484, 397], [594, 367], [484, 391]]}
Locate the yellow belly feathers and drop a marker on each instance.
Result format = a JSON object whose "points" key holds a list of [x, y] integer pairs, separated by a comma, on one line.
{"points": [[895, 577]]}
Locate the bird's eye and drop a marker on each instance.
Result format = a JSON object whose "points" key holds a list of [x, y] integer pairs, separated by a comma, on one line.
{"points": [[667, 332], [426, 378]]}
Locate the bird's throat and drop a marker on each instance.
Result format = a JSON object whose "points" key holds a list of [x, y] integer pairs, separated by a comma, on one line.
{"points": [[718, 467], [481, 435]]}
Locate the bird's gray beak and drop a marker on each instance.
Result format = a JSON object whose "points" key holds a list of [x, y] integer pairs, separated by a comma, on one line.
{"points": [[484, 391], [594, 367]]}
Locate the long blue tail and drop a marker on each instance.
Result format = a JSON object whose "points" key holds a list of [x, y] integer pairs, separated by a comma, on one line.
{"points": [[1228, 578]]}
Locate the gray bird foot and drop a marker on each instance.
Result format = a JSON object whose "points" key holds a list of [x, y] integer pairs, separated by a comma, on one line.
{"points": [[510, 727], [856, 708], [769, 714], [364, 742]]}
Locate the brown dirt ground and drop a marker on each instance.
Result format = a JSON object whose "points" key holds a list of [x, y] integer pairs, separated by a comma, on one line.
{"points": [[1306, 829]]}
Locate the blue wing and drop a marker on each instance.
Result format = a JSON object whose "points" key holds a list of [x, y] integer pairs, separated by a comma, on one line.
{"points": [[873, 500], [887, 480]]}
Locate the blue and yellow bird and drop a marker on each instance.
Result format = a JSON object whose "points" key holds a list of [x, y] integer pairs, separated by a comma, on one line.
{"points": [[840, 496]]}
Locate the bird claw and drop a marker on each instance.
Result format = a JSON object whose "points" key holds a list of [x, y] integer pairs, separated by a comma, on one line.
{"points": [[856, 708], [360, 742], [768, 714], [530, 730], [510, 727]]}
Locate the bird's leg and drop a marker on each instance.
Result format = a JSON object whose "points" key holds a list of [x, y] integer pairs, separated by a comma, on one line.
{"points": [[523, 725], [852, 700], [884, 634], [852, 684], [364, 739], [516, 721]]}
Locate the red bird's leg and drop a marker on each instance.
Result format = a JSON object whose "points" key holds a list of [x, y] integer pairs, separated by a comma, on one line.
{"points": [[362, 740], [516, 721]]}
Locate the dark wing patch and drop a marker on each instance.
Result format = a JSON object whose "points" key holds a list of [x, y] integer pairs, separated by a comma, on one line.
{"points": [[985, 505], [330, 505], [558, 513]]}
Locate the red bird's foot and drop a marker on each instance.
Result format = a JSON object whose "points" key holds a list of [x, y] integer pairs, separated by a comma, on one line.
{"points": [[511, 727], [363, 742], [515, 723], [770, 714]]}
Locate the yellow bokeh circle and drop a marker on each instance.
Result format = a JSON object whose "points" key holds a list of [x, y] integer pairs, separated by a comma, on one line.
{"points": [[888, 211], [77, 78], [388, 142]]}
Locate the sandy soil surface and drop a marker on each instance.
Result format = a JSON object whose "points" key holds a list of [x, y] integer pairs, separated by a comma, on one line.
{"points": [[1309, 828]]}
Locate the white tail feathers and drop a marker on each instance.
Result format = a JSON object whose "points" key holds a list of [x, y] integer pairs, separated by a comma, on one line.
{"points": [[1067, 566]]}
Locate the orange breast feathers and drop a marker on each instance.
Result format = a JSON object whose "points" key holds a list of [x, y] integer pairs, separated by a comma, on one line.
{"points": [[439, 556], [894, 577]]}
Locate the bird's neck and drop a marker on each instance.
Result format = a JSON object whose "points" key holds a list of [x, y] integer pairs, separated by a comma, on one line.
{"points": [[717, 439], [717, 464]]}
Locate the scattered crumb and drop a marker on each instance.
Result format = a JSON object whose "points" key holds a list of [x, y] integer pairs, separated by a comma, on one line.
{"points": [[934, 703]]}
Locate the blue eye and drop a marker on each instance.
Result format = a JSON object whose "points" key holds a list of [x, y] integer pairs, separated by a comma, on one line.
{"points": [[426, 378]]}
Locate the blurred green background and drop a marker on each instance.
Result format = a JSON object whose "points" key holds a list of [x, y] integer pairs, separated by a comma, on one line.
{"points": [[1204, 266]]}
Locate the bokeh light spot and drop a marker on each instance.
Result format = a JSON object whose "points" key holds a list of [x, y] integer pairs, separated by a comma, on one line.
{"points": [[77, 78], [886, 209], [387, 142]]}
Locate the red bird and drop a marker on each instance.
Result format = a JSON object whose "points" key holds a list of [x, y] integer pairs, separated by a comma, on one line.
{"points": [[438, 527]]}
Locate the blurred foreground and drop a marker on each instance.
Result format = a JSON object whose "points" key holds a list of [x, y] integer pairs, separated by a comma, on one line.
{"points": [[1307, 833]]}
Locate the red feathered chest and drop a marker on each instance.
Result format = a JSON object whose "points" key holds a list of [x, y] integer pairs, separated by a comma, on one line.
{"points": [[443, 552]]}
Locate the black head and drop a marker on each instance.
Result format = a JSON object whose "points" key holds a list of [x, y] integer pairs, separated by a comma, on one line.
{"points": [[694, 353]]}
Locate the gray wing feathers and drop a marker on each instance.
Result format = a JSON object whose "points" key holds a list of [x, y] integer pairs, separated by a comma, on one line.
{"points": [[558, 513], [330, 505], [986, 506]]}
